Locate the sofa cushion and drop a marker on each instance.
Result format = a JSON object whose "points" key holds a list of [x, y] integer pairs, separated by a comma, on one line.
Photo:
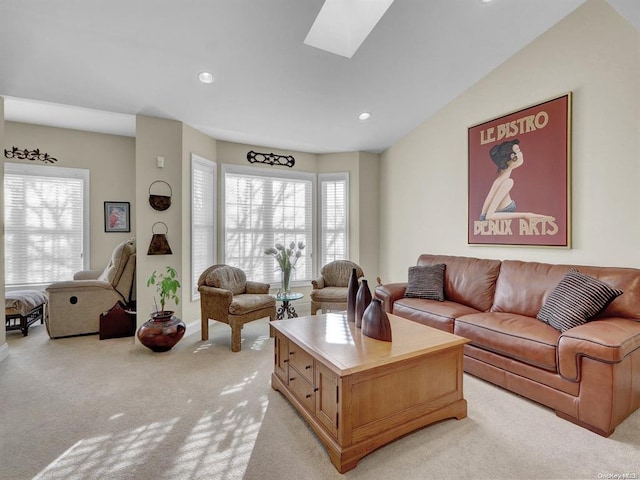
{"points": [[118, 261], [227, 278], [426, 282], [329, 294], [338, 273], [467, 280], [432, 313], [246, 303], [515, 336], [575, 300]]}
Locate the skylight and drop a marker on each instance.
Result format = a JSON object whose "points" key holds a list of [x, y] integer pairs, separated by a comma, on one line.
{"points": [[342, 25]]}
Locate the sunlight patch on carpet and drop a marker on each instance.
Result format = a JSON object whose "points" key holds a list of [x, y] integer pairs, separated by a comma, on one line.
{"points": [[107, 454]]}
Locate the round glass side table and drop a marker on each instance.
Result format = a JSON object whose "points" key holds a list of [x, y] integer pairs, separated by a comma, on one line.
{"points": [[287, 307]]}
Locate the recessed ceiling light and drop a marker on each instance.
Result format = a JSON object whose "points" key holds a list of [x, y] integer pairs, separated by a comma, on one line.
{"points": [[485, 1], [364, 116], [206, 77]]}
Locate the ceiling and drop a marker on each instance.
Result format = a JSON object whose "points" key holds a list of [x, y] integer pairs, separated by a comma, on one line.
{"points": [[95, 64]]}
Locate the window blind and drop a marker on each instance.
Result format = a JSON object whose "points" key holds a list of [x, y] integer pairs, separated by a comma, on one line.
{"points": [[203, 219], [333, 203], [46, 223], [263, 208]]}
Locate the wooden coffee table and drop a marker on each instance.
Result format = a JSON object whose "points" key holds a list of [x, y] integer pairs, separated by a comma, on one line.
{"points": [[358, 393]]}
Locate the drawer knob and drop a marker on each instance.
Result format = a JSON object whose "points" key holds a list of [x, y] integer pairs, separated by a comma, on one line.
{"points": [[307, 367], [316, 389], [308, 396], [291, 353], [285, 360], [292, 379]]}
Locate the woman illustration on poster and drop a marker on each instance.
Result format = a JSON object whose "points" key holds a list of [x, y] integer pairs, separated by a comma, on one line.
{"points": [[498, 204]]}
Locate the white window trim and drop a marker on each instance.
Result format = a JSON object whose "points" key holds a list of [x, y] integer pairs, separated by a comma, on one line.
{"points": [[332, 177], [55, 171], [196, 159]]}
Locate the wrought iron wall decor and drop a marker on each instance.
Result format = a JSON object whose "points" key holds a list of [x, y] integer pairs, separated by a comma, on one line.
{"points": [[271, 159], [26, 154]]}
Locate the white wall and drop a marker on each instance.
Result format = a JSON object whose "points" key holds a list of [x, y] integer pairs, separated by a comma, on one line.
{"points": [[594, 53]]}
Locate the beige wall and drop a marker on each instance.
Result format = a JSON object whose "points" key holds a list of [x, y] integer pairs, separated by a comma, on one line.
{"points": [[364, 172], [369, 215], [594, 53], [110, 160], [4, 349], [157, 137]]}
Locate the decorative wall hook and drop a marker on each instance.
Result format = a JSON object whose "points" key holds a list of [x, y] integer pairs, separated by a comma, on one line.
{"points": [[271, 159], [26, 154]]}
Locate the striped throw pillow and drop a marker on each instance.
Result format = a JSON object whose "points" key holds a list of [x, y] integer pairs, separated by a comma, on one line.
{"points": [[575, 300], [426, 282]]}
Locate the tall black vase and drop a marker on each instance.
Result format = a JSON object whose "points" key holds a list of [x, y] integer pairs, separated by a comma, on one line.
{"points": [[352, 293], [363, 299]]}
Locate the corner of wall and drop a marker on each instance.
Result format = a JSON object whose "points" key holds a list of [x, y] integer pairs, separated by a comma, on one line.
{"points": [[4, 349]]}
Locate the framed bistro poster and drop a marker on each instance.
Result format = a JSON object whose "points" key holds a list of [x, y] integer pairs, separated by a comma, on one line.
{"points": [[117, 217], [519, 177]]}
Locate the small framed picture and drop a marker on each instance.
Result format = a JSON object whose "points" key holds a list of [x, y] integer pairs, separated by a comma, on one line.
{"points": [[116, 217]]}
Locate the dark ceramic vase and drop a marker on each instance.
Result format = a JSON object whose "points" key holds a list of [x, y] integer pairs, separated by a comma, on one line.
{"points": [[352, 292], [375, 321], [161, 332], [363, 299]]}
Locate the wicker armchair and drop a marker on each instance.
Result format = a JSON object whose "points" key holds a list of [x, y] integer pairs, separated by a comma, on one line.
{"points": [[226, 296], [330, 288]]}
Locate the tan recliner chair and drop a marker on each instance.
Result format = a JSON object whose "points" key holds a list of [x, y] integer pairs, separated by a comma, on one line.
{"points": [[75, 305], [227, 296], [330, 288]]}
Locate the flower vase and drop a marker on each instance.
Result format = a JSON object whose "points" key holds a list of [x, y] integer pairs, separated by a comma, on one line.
{"points": [[363, 299], [352, 292], [375, 322], [162, 331], [285, 279]]}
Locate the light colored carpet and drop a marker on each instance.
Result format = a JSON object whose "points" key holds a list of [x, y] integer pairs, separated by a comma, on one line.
{"points": [[81, 408]]}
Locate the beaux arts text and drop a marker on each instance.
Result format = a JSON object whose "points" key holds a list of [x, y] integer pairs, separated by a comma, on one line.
{"points": [[525, 226]]}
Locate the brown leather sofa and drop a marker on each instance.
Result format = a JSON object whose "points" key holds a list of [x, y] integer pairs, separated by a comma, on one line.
{"points": [[590, 374]]}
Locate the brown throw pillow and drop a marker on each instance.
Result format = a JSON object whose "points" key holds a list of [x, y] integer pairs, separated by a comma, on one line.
{"points": [[426, 282], [576, 300]]}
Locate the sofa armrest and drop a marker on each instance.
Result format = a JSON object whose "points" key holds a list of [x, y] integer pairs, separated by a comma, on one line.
{"points": [[257, 287], [389, 293], [608, 340], [318, 283], [87, 274]]}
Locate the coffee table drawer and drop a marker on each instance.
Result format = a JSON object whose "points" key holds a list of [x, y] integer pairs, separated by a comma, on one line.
{"points": [[301, 361], [302, 389]]}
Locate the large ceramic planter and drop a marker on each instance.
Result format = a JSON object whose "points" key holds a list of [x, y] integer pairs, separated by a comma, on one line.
{"points": [[162, 331]]}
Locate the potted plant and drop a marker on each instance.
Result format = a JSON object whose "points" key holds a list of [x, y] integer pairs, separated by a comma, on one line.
{"points": [[167, 286], [163, 330]]}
